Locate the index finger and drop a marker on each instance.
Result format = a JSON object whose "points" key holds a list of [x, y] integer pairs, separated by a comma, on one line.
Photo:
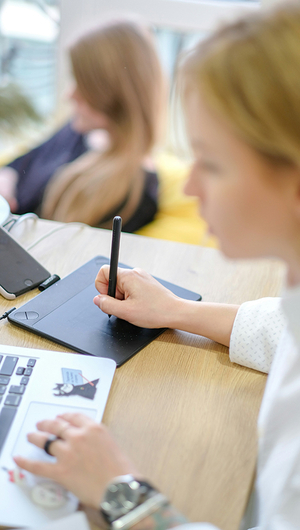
{"points": [[37, 467], [101, 281]]}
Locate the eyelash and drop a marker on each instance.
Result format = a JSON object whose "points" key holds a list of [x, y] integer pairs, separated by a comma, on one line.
{"points": [[208, 166]]}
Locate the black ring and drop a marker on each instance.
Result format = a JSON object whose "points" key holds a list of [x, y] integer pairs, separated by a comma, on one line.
{"points": [[48, 443]]}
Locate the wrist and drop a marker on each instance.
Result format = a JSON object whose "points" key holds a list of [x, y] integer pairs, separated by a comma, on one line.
{"points": [[128, 500], [162, 519], [181, 313]]}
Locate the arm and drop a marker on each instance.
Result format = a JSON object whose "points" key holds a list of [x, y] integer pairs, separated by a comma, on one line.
{"points": [[35, 168], [87, 459], [143, 301], [256, 333], [214, 321], [165, 517], [169, 517]]}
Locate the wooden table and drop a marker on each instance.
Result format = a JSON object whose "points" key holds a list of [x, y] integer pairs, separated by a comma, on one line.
{"points": [[181, 410]]}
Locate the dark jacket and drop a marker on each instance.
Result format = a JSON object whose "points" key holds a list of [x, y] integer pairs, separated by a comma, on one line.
{"points": [[36, 168]]}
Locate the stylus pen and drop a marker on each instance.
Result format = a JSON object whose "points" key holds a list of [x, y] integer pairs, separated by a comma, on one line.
{"points": [[114, 256]]}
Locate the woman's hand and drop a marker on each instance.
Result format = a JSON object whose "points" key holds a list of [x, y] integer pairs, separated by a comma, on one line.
{"points": [[87, 456], [8, 185], [140, 299]]}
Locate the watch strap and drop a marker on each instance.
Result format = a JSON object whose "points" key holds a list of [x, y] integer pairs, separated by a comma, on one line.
{"points": [[150, 505]]}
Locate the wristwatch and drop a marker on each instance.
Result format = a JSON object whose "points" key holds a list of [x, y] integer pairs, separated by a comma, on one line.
{"points": [[128, 500]]}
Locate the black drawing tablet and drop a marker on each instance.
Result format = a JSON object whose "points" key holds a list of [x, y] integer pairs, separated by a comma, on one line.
{"points": [[65, 313]]}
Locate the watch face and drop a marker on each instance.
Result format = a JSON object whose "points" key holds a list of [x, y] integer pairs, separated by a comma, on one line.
{"points": [[121, 498]]}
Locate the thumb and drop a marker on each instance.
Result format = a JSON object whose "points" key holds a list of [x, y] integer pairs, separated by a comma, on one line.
{"points": [[110, 305]]}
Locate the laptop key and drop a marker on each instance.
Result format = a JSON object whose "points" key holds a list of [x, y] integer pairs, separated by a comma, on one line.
{"points": [[12, 400], [24, 380], [1, 357], [20, 370], [4, 380], [8, 366], [7, 415], [31, 362], [16, 389], [28, 371], [2, 389]]}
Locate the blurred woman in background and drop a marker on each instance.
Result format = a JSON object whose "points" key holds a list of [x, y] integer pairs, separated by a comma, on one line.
{"points": [[97, 166]]}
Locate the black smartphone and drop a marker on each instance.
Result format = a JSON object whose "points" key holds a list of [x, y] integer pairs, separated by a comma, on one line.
{"points": [[19, 271]]}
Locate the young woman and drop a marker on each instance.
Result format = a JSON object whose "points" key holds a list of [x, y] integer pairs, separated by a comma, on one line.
{"points": [[75, 176], [241, 92]]}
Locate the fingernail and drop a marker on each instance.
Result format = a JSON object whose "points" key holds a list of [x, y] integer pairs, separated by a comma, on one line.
{"points": [[96, 301]]}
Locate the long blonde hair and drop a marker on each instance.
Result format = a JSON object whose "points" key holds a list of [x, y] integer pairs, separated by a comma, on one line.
{"points": [[249, 73], [118, 73]]}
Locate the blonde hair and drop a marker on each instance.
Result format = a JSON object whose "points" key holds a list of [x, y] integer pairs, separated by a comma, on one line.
{"points": [[249, 73], [118, 73]]}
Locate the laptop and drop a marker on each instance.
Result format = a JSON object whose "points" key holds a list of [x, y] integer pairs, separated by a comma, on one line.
{"points": [[35, 385]]}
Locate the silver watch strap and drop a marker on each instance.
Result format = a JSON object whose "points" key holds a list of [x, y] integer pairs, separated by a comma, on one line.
{"points": [[140, 512]]}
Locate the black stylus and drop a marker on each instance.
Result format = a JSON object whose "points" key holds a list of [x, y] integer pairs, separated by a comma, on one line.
{"points": [[114, 256]]}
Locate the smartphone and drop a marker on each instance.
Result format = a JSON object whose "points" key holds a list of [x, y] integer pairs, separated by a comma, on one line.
{"points": [[19, 271]]}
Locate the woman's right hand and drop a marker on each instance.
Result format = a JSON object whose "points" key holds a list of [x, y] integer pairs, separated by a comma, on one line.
{"points": [[140, 299]]}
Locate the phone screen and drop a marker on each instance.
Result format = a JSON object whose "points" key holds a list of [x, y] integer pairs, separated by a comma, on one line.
{"points": [[19, 271]]}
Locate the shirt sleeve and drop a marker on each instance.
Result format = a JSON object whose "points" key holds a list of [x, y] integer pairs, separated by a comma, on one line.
{"points": [[256, 332]]}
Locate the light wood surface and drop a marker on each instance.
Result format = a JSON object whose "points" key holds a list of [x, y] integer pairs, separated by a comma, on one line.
{"points": [[181, 410]]}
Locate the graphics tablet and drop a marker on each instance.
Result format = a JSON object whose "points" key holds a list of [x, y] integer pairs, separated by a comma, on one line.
{"points": [[66, 314]]}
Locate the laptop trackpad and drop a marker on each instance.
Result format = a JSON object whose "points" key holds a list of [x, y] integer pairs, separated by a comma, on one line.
{"points": [[37, 412]]}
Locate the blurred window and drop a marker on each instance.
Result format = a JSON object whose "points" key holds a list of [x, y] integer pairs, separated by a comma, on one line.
{"points": [[34, 35], [29, 31]]}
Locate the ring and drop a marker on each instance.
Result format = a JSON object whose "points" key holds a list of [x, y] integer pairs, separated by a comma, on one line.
{"points": [[48, 442]]}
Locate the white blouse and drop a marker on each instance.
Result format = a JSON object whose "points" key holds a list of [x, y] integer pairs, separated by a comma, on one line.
{"points": [[266, 337]]}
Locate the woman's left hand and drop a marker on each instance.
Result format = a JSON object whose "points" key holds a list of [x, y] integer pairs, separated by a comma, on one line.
{"points": [[87, 457]]}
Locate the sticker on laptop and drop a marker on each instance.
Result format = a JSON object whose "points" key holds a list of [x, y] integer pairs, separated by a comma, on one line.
{"points": [[44, 493], [16, 476], [71, 376], [74, 384]]}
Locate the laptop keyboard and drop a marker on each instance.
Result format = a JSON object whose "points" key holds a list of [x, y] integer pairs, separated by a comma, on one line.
{"points": [[15, 375]]}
